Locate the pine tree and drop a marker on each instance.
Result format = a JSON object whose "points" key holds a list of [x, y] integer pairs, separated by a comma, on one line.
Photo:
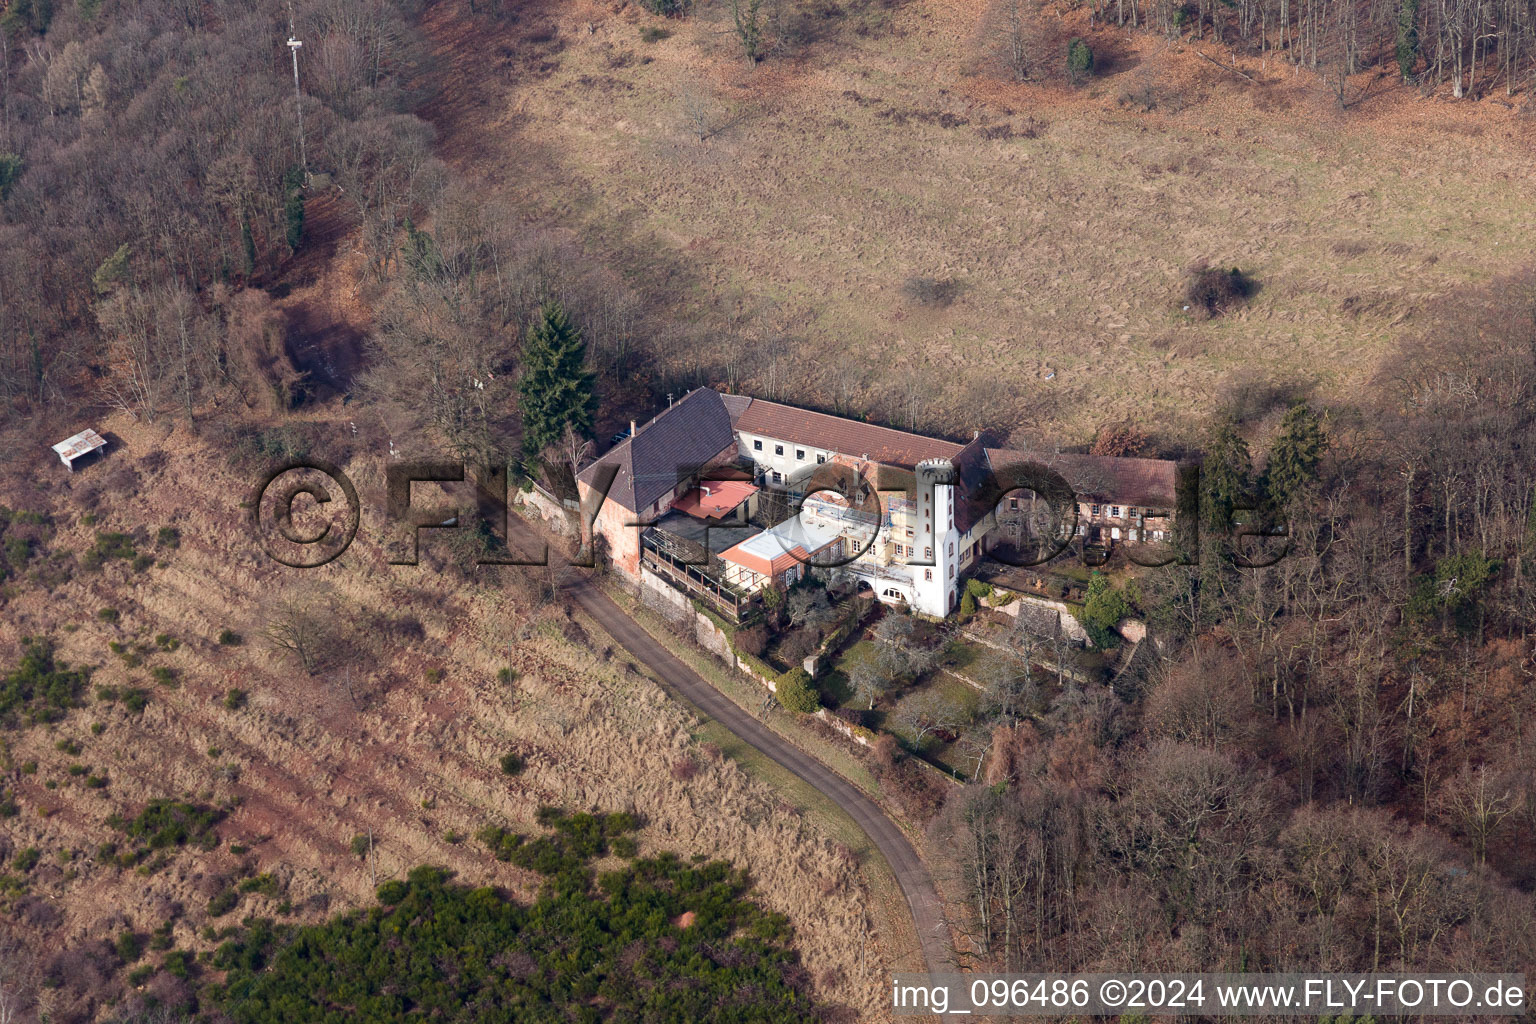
{"points": [[556, 386], [1225, 477], [1294, 460], [1408, 38], [293, 208]]}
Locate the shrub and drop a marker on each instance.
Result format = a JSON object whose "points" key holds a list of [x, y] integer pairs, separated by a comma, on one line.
{"points": [[222, 902], [928, 291], [27, 859], [512, 763], [1079, 61], [108, 615], [667, 8], [1103, 608], [506, 676], [684, 769], [168, 537], [129, 947], [166, 642], [39, 689], [1211, 290], [235, 699], [163, 675], [135, 699], [967, 605], [68, 746], [360, 845], [178, 964], [795, 693], [264, 883], [139, 975], [107, 694], [109, 545], [97, 728], [229, 638], [165, 823]]}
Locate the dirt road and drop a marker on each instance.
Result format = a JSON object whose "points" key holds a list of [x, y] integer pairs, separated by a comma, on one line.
{"points": [[911, 873]]}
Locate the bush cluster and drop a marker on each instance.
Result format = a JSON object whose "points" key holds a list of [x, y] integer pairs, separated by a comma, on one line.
{"points": [[610, 948]]}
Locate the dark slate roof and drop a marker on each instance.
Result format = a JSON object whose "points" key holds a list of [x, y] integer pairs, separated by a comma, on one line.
{"points": [[846, 437], [675, 443], [1151, 483], [735, 405], [972, 472]]}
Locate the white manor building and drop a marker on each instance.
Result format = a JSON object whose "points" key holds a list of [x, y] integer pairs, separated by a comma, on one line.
{"points": [[921, 513]]}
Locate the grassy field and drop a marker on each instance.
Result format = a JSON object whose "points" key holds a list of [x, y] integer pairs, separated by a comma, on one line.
{"points": [[397, 736], [1064, 220]]}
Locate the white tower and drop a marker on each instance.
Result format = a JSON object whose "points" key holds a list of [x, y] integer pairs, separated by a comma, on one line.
{"points": [[935, 584]]}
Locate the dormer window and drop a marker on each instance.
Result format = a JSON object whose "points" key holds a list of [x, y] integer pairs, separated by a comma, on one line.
{"points": [[799, 454], [778, 449], [820, 459]]}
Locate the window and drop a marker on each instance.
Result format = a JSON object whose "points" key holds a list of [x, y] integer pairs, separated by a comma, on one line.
{"points": [[951, 549], [928, 553], [925, 513], [909, 533], [1095, 510], [757, 446], [778, 449], [1078, 508], [1013, 503], [800, 454], [820, 459], [951, 572], [777, 477], [1114, 510], [928, 575]]}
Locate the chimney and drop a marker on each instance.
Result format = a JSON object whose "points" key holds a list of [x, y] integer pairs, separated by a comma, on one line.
{"points": [[669, 399], [975, 434], [631, 428]]}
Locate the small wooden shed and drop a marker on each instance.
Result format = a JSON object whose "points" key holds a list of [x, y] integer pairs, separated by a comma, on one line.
{"points": [[79, 446]]}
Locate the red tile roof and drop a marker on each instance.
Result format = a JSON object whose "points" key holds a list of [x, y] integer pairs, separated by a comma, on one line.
{"points": [[1149, 483], [847, 437]]}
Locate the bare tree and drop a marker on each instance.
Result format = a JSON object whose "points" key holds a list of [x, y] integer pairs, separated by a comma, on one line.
{"points": [[300, 625], [1476, 802]]}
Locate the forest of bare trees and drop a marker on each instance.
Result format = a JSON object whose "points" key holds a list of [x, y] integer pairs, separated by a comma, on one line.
{"points": [[1469, 46], [1333, 760], [150, 160]]}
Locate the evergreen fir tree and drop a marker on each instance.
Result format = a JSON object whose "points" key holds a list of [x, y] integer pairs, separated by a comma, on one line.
{"points": [[556, 386], [1225, 477], [293, 208], [1294, 460]]}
